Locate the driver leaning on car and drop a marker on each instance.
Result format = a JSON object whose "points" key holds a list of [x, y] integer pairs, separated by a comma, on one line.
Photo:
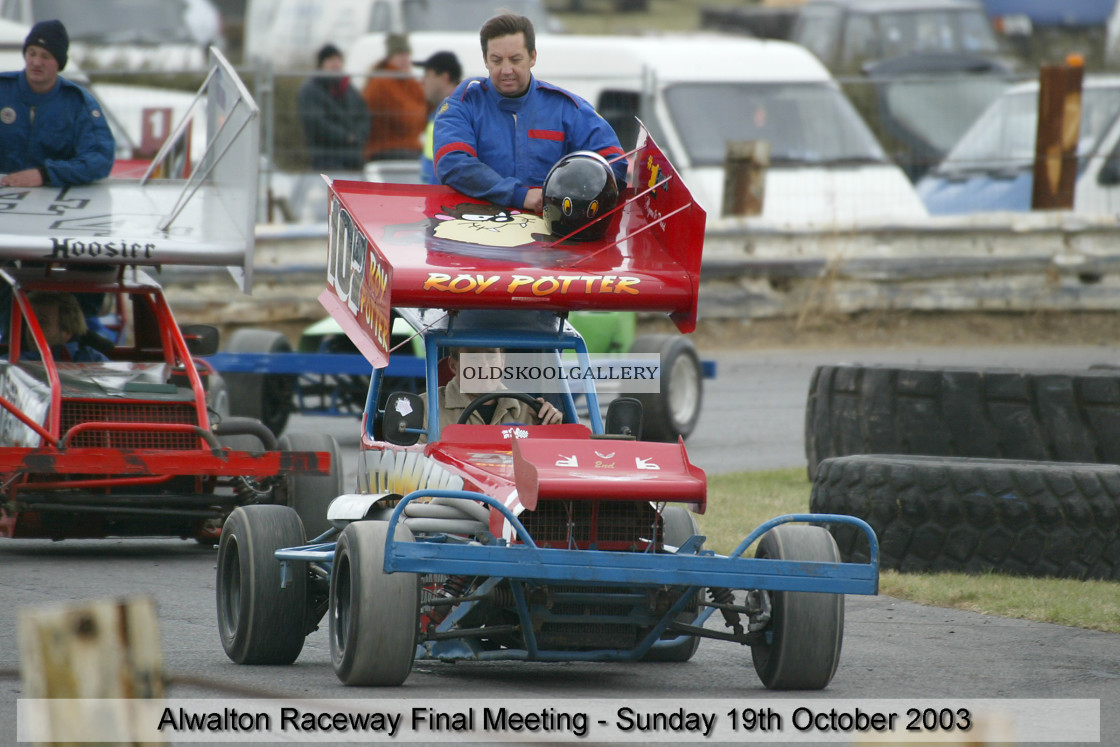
{"points": [[453, 401]]}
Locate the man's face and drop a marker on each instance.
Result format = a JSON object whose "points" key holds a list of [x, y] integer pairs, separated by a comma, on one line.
{"points": [[332, 64], [509, 63], [436, 87], [48, 321], [41, 68]]}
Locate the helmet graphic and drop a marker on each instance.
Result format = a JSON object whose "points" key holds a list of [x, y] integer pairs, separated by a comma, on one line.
{"points": [[579, 188]]}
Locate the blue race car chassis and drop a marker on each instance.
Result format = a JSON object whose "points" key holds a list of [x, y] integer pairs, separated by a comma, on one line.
{"points": [[625, 581]]}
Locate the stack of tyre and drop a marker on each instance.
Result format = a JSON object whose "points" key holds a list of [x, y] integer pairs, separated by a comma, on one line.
{"points": [[970, 469]]}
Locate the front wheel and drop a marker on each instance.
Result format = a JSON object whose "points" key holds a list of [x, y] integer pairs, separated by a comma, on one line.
{"points": [[374, 616], [806, 630], [259, 621]]}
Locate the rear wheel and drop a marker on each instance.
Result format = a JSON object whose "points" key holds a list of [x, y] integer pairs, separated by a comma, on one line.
{"points": [[679, 525], [265, 397], [374, 616], [311, 494], [260, 622], [803, 640], [674, 411]]}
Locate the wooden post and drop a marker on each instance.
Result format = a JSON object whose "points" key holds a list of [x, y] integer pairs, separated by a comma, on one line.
{"points": [[97, 650], [744, 181], [1059, 124]]}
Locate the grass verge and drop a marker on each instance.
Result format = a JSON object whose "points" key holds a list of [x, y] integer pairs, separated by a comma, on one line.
{"points": [[739, 502]]}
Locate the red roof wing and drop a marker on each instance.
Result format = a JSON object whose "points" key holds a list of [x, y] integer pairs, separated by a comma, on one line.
{"points": [[431, 247]]}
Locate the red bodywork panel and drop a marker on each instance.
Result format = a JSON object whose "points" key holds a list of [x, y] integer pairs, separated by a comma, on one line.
{"points": [[563, 463], [431, 247], [569, 470]]}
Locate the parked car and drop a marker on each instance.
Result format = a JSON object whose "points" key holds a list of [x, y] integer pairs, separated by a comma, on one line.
{"points": [[923, 103], [991, 168], [848, 34]]}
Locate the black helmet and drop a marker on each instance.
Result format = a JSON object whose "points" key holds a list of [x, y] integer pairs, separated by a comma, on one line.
{"points": [[579, 188]]}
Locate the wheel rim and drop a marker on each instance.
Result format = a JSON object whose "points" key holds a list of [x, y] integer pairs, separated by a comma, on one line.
{"points": [[231, 587], [683, 387], [342, 610]]}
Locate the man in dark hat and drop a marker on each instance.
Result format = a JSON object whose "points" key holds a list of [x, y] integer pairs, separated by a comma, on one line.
{"points": [[334, 116], [442, 73], [52, 131]]}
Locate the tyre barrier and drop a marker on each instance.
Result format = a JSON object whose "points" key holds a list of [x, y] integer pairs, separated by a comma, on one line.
{"points": [[1056, 416], [976, 515]]}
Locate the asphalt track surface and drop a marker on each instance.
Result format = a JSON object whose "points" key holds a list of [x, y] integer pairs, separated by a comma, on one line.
{"points": [[752, 419]]}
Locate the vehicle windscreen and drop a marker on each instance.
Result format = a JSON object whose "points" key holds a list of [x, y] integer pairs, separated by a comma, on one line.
{"points": [[1003, 138], [121, 21], [805, 123], [935, 31], [939, 108], [466, 15]]}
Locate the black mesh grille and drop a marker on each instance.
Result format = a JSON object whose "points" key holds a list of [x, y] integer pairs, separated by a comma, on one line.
{"points": [[79, 411], [615, 523]]}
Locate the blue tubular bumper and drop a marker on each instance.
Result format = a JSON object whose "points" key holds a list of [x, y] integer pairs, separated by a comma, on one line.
{"points": [[527, 562], [620, 578]]}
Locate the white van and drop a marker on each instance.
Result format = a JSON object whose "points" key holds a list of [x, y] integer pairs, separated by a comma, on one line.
{"points": [[288, 33], [697, 92]]}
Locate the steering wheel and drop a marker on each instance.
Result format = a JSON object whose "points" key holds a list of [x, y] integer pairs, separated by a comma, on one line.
{"points": [[482, 399]]}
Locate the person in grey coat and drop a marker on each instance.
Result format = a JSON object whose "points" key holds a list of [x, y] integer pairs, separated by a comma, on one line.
{"points": [[334, 116]]}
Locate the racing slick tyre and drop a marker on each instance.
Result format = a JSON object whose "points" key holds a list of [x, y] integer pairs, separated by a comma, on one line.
{"points": [[674, 411], [806, 630], [259, 621], [266, 397], [1054, 416], [679, 524], [311, 494], [976, 515], [374, 616]]}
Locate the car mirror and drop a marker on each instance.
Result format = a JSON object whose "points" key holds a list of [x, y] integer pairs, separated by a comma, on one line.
{"points": [[201, 339], [624, 417], [404, 418]]}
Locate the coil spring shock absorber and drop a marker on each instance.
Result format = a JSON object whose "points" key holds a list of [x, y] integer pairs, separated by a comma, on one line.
{"points": [[730, 617], [452, 588]]}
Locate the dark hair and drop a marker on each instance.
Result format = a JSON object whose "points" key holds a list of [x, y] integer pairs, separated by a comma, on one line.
{"points": [[508, 24], [443, 62], [325, 53]]}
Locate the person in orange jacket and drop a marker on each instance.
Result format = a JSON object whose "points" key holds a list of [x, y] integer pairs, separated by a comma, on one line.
{"points": [[397, 103]]}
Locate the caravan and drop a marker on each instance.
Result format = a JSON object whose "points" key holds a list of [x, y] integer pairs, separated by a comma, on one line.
{"points": [[696, 93]]}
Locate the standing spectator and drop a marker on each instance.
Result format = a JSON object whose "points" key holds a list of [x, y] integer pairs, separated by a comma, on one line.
{"points": [[334, 117], [396, 100], [52, 131], [496, 138], [442, 73]]}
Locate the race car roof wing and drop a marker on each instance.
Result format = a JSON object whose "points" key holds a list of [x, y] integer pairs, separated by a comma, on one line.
{"points": [[430, 247], [206, 219]]}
